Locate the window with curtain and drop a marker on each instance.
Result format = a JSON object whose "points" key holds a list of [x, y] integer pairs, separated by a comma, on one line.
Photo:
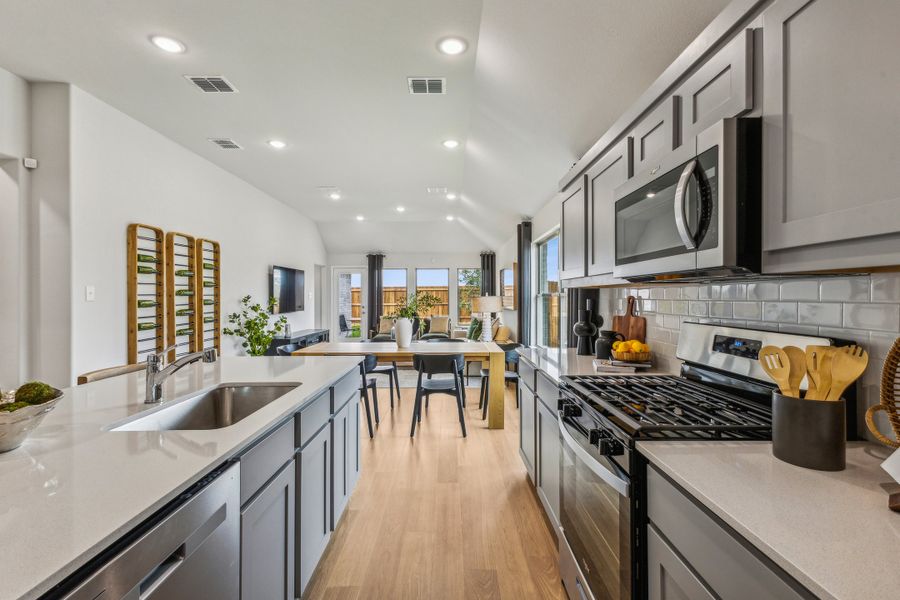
{"points": [[468, 286], [437, 283], [547, 298], [394, 289]]}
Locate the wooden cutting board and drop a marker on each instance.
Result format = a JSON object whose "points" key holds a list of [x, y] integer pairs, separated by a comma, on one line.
{"points": [[630, 325]]}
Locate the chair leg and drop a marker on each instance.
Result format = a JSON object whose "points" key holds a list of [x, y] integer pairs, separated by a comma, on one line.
{"points": [[391, 388], [416, 406], [481, 394], [487, 397], [368, 412], [518, 393], [396, 381], [462, 388], [459, 408], [375, 403]]}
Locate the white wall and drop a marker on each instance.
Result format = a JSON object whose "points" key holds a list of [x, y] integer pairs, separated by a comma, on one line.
{"points": [[507, 254]]}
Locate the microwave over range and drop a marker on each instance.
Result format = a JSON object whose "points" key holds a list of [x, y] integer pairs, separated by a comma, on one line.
{"points": [[697, 214]]}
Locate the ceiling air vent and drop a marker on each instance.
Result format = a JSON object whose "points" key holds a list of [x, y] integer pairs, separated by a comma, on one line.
{"points": [[211, 84], [226, 143], [427, 85]]}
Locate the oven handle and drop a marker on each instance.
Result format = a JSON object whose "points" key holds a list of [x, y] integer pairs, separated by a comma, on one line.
{"points": [[684, 231], [621, 485]]}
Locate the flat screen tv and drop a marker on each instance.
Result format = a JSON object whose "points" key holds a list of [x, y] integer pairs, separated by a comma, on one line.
{"points": [[286, 285]]}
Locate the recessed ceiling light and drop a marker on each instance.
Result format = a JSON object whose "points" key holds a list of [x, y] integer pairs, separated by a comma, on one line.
{"points": [[335, 195], [451, 196], [450, 144], [452, 45], [651, 194], [360, 218], [277, 144], [167, 44], [401, 208], [449, 217]]}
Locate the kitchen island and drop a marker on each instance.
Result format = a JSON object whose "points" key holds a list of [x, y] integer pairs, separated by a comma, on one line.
{"points": [[75, 487]]}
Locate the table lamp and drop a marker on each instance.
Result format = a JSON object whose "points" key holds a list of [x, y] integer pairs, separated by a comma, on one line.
{"points": [[486, 305]]}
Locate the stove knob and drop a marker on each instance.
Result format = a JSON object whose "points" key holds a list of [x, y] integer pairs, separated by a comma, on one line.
{"points": [[611, 447], [571, 410]]}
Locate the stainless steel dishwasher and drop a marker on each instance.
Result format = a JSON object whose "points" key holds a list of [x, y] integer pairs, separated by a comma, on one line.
{"points": [[188, 550]]}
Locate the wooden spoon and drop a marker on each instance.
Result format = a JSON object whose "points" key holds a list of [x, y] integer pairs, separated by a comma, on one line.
{"points": [[797, 358], [818, 365], [776, 363], [846, 367]]}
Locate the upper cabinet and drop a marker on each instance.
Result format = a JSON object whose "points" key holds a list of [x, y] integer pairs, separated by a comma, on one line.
{"points": [[573, 231], [830, 125], [611, 171], [721, 88], [656, 134]]}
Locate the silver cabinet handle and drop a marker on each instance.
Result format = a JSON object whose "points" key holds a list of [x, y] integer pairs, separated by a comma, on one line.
{"points": [[684, 231], [622, 486]]}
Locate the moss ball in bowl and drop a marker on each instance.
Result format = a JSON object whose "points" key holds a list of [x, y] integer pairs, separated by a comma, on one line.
{"points": [[24, 413], [35, 392]]}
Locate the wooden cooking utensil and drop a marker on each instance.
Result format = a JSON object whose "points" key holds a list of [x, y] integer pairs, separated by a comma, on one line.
{"points": [[630, 325], [797, 358], [846, 367], [818, 366], [776, 363]]}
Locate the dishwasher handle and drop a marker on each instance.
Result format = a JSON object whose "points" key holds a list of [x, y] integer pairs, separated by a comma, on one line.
{"points": [[162, 572]]}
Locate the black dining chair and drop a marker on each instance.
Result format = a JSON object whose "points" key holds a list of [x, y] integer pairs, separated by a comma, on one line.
{"points": [[463, 370], [438, 364], [287, 349], [511, 358], [368, 383], [393, 376], [342, 325]]}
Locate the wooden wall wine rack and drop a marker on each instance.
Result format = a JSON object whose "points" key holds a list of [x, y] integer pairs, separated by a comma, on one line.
{"points": [[181, 293], [209, 294], [145, 283]]}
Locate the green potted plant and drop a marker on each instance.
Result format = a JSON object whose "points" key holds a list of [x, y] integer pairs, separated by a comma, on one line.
{"points": [[252, 324], [409, 310]]}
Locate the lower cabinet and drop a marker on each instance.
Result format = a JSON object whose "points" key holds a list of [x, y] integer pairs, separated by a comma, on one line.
{"points": [[527, 411], [548, 449], [313, 463], [267, 540], [345, 456], [669, 578]]}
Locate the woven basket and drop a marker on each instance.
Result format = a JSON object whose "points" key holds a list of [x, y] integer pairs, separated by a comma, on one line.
{"points": [[890, 398], [635, 357]]}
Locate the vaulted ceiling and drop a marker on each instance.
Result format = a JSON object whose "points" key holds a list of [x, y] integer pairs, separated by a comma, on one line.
{"points": [[540, 82]]}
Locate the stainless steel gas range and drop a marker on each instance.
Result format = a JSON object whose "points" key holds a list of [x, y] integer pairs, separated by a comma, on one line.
{"points": [[721, 394]]}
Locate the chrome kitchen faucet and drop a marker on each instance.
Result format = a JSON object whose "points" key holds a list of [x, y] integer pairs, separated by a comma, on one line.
{"points": [[156, 376]]}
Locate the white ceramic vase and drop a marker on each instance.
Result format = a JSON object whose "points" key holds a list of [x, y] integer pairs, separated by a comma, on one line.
{"points": [[403, 332]]}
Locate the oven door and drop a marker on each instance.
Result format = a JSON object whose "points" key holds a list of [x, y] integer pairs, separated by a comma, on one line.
{"points": [[595, 515]]}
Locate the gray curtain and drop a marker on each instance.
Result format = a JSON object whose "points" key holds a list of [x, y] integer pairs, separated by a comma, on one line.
{"points": [[488, 274], [375, 288], [523, 244]]}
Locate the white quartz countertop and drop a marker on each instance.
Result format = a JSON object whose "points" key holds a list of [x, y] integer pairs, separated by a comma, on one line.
{"points": [[556, 363], [831, 531], [74, 487]]}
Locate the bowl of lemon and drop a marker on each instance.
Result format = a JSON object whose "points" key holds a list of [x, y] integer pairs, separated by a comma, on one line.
{"points": [[631, 351]]}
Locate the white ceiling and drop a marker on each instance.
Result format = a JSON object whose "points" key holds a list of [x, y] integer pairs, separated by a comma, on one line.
{"points": [[541, 81]]}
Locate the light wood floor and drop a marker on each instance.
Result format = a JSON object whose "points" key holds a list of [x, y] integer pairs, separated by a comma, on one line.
{"points": [[440, 516]]}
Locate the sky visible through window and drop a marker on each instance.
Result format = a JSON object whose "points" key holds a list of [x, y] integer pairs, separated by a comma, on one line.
{"points": [[395, 278], [355, 280], [432, 277], [553, 259]]}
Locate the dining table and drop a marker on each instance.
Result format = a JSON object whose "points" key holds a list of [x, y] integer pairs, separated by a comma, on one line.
{"points": [[490, 354]]}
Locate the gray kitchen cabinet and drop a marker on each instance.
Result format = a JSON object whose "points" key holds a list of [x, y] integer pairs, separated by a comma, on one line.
{"points": [[612, 170], [548, 450], [267, 540], [345, 457], [527, 428], [830, 129], [573, 231], [668, 577], [656, 134], [313, 504], [721, 88]]}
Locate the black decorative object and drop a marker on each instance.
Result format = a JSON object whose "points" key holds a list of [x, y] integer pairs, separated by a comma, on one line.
{"points": [[809, 433], [585, 330], [603, 345]]}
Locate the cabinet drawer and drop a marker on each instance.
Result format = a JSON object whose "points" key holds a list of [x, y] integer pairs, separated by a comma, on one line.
{"points": [[547, 391], [668, 577], [345, 388], [312, 418], [527, 373], [730, 568], [263, 460]]}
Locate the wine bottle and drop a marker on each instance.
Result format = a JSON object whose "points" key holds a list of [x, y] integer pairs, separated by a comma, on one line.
{"points": [[209, 283], [210, 266], [208, 319], [146, 326], [187, 292], [147, 270], [149, 258], [146, 303], [183, 312], [184, 273], [208, 302], [185, 331]]}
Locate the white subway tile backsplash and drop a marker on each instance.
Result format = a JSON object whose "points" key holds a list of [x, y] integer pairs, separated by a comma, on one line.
{"points": [[763, 290], [680, 307], [709, 292], [854, 335], [698, 308], [880, 317], [819, 313], [672, 322], [747, 310], [803, 289], [886, 287], [657, 293], [734, 291], [880, 344], [782, 312], [691, 292], [799, 329], [849, 289], [664, 306], [720, 309], [673, 293]]}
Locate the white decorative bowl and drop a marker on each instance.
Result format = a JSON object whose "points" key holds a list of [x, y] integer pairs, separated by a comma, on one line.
{"points": [[16, 425]]}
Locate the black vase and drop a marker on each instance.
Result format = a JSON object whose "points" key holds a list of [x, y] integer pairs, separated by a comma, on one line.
{"points": [[585, 331]]}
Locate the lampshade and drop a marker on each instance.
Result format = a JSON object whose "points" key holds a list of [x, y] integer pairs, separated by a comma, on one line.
{"points": [[487, 304]]}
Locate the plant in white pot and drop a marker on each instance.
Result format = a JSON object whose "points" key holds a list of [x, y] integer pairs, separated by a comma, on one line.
{"points": [[252, 324], [409, 310]]}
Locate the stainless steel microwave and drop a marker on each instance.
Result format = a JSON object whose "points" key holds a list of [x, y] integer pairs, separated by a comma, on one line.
{"points": [[698, 213]]}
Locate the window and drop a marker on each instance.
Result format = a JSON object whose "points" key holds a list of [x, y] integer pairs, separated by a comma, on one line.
{"points": [[394, 292], [435, 282], [468, 286], [355, 303], [547, 302]]}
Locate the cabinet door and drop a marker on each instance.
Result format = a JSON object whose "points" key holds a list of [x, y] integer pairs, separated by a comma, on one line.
{"points": [[353, 429], [611, 171], [830, 122], [656, 135], [526, 429], [548, 462], [267, 540], [340, 463], [314, 500], [573, 229], [668, 577], [721, 88]]}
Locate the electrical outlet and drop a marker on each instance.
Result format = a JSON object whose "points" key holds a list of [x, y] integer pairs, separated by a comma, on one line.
{"points": [[90, 293]]}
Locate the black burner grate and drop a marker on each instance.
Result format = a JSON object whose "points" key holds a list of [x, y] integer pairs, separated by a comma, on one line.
{"points": [[648, 406]]}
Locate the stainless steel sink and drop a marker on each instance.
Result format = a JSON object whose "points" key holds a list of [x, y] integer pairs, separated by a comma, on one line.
{"points": [[219, 407]]}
